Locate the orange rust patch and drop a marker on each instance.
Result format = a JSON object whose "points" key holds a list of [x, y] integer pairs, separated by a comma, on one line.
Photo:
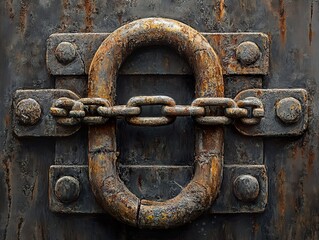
{"points": [[88, 15], [10, 8], [281, 193], [311, 159], [23, 15], [221, 9], [65, 19], [7, 120], [282, 21]]}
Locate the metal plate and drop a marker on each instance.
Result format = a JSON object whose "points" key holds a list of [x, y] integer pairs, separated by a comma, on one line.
{"points": [[85, 203], [46, 126], [225, 203], [271, 125], [228, 203], [157, 60]]}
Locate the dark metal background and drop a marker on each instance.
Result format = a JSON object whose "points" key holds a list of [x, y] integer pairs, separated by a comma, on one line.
{"points": [[292, 163]]}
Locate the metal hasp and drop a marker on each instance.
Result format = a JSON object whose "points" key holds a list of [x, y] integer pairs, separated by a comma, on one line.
{"points": [[106, 184], [94, 185]]}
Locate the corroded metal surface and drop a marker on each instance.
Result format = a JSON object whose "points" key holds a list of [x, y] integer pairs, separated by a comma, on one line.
{"points": [[28, 111], [271, 99], [69, 190], [110, 191], [292, 163], [46, 125], [236, 198]]}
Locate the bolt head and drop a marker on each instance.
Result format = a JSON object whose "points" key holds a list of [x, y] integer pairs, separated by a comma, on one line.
{"points": [[67, 189], [28, 111], [289, 110], [246, 188], [248, 53], [65, 52]]}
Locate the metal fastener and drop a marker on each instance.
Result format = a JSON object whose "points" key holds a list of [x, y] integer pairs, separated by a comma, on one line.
{"points": [[65, 52], [246, 188], [248, 53], [28, 111], [67, 189], [288, 110]]}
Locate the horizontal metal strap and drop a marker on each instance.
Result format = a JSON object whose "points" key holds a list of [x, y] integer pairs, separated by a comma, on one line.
{"points": [[228, 47], [254, 112]]}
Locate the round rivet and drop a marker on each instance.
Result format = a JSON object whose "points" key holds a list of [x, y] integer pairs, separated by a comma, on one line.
{"points": [[67, 189], [28, 111], [65, 52], [288, 110], [246, 188], [247, 53]]}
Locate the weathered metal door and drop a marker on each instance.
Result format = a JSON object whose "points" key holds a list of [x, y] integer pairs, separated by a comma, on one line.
{"points": [[159, 119]]}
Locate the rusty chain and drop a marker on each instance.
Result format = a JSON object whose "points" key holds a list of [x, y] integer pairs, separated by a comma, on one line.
{"points": [[94, 111]]}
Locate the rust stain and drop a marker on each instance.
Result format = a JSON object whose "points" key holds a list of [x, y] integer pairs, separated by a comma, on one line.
{"points": [[311, 160], [65, 19], [23, 15], [120, 17], [281, 193], [282, 21], [221, 9], [255, 227], [310, 33], [7, 120], [10, 8], [139, 182], [88, 5]]}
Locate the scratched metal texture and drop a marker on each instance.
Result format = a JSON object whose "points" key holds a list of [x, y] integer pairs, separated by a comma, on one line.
{"points": [[292, 163]]}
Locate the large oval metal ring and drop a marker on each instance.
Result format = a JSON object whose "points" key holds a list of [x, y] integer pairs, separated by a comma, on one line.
{"points": [[106, 184]]}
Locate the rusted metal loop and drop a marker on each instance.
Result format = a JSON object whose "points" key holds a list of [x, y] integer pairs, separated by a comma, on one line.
{"points": [[222, 102], [257, 110], [183, 110], [108, 188], [69, 121], [214, 120], [64, 107], [150, 100], [91, 105], [95, 101], [58, 112], [120, 110], [64, 102], [77, 110], [93, 120], [236, 112]]}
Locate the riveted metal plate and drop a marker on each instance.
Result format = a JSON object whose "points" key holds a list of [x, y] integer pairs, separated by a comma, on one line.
{"points": [[227, 201], [271, 124], [157, 60], [47, 125], [85, 203]]}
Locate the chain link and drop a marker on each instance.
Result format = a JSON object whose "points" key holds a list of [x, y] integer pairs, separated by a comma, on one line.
{"points": [[94, 111]]}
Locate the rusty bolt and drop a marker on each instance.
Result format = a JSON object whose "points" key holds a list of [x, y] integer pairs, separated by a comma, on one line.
{"points": [[288, 110], [246, 188], [28, 111], [65, 52], [67, 189], [247, 53]]}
